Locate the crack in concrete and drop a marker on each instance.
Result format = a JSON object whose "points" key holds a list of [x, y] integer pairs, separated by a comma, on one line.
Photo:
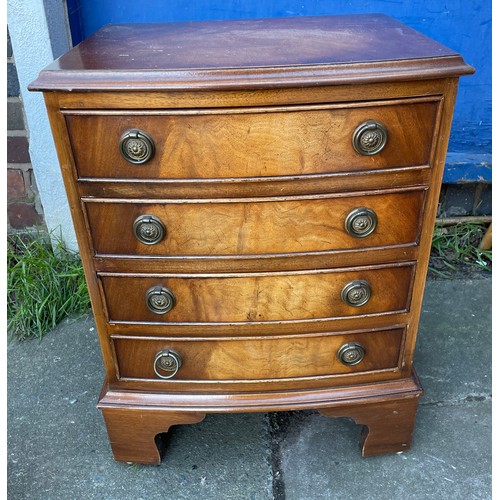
{"points": [[279, 423], [276, 428]]}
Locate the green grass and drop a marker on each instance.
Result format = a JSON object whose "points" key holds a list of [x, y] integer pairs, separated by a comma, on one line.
{"points": [[44, 285], [455, 248]]}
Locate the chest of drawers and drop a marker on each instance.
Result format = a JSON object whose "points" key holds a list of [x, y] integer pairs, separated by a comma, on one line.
{"points": [[254, 205]]}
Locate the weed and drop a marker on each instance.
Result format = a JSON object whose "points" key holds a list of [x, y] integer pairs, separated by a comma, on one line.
{"points": [[456, 247], [45, 283]]}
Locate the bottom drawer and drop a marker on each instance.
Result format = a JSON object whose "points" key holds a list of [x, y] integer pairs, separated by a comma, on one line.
{"points": [[257, 358]]}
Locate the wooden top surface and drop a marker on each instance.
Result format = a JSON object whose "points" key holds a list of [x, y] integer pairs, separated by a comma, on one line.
{"points": [[257, 53]]}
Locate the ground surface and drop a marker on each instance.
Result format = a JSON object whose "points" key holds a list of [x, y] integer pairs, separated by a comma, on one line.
{"points": [[58, 448]]}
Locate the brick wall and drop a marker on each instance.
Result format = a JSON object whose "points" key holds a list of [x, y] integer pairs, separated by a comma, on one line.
{"points": [[24, 209]]}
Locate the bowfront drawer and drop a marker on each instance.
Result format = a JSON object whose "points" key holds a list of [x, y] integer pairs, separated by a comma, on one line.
{"points": [[256, 226], [251, 359], [257, 297], [252, 142]]}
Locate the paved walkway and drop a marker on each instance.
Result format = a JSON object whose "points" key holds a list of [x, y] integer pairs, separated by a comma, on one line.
{"points": [[58, 448]]}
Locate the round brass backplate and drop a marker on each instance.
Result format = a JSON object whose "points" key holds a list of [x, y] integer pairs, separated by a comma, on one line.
{"points": [[160, 300], [361, 222], [351, 354], [149, 229], [136, 147], [369, 138], [169, 361], [356, 293]]}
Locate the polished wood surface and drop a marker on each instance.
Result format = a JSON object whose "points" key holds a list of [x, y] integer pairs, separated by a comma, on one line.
{"points": [[261, 329], [235, 226], [253, 175], [253, 142], [134, 419], [388, 425], [256, 297], [257, 358], [185, 189], [133, 433], [251, 53], [262, 400], [218, 44], [138, 101], [182, 264]]}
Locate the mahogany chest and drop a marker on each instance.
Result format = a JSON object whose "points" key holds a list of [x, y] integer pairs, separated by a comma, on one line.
{"points": [[254, 203]]}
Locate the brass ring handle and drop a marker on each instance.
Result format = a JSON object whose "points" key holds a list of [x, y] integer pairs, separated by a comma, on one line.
{"points": [[369, 138], [137, 147], [168, 361], [351, 354], [356, 293], [160, 300], [361, 222], [149, 229]]}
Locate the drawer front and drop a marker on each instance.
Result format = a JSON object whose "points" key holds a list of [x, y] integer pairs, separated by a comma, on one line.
{"points": [[246, 142], [257, 297], [250, 359], [266, 226]]}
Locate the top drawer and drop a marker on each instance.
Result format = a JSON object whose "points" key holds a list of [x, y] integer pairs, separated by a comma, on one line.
{"points": [[253, 142]]}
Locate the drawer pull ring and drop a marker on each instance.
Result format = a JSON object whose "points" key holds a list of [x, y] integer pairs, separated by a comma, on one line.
{"points": [[160, 300], [356, 293], [149, 229], [351, 354], [167, 361], [361, 222], [137, 147], [369, 138]]}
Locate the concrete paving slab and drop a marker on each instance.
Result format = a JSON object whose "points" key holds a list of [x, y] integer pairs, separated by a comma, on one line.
{"points": [[58, 446], [453, 353], [450, 459]]}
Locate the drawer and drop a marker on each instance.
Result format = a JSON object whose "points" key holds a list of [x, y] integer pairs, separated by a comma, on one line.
{"points": [[251, 142], [256, 226], [257, 297], [254, 358]]}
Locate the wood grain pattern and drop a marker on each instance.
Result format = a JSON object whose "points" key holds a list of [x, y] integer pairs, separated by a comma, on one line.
{"points": [[253, 142], [255, 263], [220, 98], [255, 78], [388, 425], [430, 210], [253, 359], [261, 329], [232, 388], [134, 419], [339, 182], [253, 227], [133, 432], [258, 296], [262, 400]]}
